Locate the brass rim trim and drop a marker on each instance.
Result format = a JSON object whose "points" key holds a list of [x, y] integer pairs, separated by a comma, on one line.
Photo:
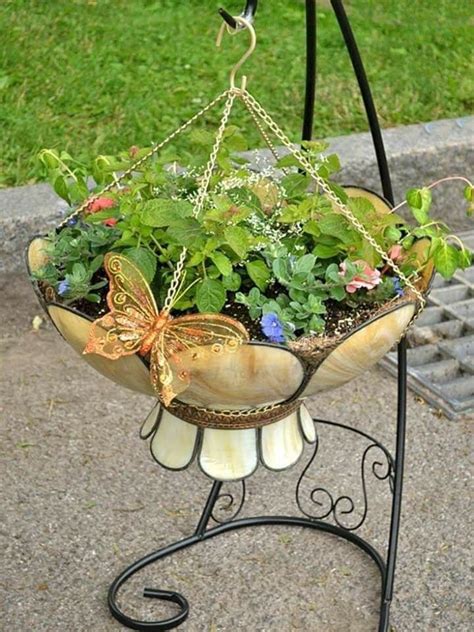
{"points": [[238, 420]]}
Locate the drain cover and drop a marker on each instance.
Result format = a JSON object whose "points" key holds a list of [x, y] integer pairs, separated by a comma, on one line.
{"points": [[441, 345]]}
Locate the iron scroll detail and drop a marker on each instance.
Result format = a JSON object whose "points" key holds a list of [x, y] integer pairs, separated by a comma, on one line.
{"points": [[376, 460]]}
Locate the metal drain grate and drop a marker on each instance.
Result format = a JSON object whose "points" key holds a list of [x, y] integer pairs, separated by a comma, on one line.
{"points": [[441, 345]]}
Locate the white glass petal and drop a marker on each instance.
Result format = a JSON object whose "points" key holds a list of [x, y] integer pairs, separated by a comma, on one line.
{"points": [[150, 422], [173, 442], [281, 443], [307, 424], [228, 455]]}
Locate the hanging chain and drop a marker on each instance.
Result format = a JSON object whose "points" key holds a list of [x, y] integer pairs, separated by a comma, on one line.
{"points": [[201, 195], [175, 282], [348, 214], [144, 158], [206, 177], [263, 132]]}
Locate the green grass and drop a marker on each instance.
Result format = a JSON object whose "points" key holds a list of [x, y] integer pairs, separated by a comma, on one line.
{"points": [[96, 77]]}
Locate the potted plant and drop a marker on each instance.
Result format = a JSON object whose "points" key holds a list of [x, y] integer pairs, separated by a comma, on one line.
{"points": [[281, 285]]}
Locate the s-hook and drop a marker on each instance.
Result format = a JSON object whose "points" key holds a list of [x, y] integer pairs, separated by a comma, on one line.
{"points": [[241, 23], [248, 14]]}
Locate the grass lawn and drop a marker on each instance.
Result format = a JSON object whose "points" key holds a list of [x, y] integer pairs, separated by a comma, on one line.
{"points": [[98, 76]]}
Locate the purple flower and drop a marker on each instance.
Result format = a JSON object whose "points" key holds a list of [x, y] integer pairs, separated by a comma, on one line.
{"points": [[397, 287], [72, 221], [272, 327], [63, 287]]}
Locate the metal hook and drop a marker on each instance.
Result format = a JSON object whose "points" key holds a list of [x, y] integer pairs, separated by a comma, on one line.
{"points": [[242, 23], [248, 14]]}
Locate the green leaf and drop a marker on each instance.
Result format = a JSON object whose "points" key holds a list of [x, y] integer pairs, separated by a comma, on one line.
{"points": [[469, 193], [311, 228], [160, 213], [337, 293], [259, 273], [144, 260], [326, 252], [332, 163], [238, 240], [96, 263], [295, 184], [446, 259], [61, 188], [49, 158], [336, 226], [232, 282], [316, 324], [187, 232], [290, 214], [78, 190], [222, 263], [393, 234], [93, 298], [281, 269], [210, 296], [419, 200], [305, 264], [196, 259], [465, 258]]}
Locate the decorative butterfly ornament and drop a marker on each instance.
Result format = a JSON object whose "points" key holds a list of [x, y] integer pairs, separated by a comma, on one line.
{"points": [[135, 325]]}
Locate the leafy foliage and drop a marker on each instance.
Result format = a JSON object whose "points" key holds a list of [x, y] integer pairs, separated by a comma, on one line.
{"points": [[273, 245]]}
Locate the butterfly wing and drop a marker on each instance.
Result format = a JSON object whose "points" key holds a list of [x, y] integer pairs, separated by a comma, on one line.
{"points": [[184, 340], [132, 313]]}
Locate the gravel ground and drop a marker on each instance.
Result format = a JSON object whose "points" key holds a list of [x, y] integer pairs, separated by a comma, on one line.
{"points": [[82, 498]]}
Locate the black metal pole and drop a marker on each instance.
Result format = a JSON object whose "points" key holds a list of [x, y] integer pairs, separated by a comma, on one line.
{"points": [[387, 594], [369, 105], [310, 90], [385, 179]]}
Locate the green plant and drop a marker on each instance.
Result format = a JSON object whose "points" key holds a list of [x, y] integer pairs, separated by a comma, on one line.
{"points": [[271, 244], [74, 258]]}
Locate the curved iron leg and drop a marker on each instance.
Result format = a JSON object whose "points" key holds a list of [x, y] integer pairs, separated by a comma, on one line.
{"points": [[173, 622]]}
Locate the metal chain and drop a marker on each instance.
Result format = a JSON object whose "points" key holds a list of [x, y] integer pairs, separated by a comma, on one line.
{"points": [[174, 285], [211, 163], [259, 110], [202, 194], [144, 158], [262, 131]]}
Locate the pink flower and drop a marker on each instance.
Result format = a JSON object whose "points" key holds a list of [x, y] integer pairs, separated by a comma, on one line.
{"points": [[110, 222], [395, 253], [100, 204], [368, 277]]}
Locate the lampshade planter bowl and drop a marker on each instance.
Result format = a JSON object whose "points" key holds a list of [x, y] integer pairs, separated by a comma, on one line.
{"points": [[244, 408]]}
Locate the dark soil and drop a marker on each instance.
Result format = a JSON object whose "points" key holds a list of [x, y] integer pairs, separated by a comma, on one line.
{"points": [[340, 318]]}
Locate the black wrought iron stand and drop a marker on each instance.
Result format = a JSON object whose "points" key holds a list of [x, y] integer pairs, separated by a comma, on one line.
{"points": [[324, 504]]}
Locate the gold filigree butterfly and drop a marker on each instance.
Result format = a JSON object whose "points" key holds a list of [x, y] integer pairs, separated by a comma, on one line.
{"points": [[135, 325]]}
